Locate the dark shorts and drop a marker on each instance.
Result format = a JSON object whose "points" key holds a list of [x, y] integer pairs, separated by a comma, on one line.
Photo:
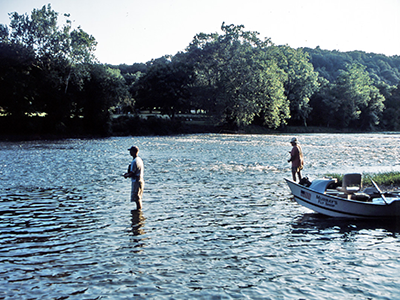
{"points": [[297, 169]]}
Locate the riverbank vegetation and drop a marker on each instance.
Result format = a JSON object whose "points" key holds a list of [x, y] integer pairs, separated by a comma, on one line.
{"points": [[52, 84], [387, 180]]}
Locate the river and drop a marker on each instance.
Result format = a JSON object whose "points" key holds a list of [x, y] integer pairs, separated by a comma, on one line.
{"points": [[218, 220]]}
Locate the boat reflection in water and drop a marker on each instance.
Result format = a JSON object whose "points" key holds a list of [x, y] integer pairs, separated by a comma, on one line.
{"points": [[312, 223]]}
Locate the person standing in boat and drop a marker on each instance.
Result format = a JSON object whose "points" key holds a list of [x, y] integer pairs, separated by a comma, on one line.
{"points": [[135, 172], [296, 157]]}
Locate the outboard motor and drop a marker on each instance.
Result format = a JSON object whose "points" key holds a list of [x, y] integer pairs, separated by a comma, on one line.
{"points": [[305, 181]]}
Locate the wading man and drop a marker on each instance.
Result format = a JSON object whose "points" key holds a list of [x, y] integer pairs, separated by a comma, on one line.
{"points": [[135, 172]]}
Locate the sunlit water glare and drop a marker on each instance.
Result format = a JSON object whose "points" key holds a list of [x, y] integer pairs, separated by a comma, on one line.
{"points": [[218, 220]]}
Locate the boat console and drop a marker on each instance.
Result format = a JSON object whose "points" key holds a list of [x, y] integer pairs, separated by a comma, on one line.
{"points": [[320, 185]]}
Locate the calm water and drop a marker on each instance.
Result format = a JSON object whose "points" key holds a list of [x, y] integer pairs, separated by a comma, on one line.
{"points": [[218, 221]]}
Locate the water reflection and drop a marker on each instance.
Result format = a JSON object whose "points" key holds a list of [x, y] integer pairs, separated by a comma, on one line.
{"points": [[137, 222], [137, 229]]}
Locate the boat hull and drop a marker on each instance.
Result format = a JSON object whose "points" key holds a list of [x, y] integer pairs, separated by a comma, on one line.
{"points": [[317, 200]]}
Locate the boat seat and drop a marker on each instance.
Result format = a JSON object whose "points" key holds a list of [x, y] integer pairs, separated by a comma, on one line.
{"points": [[352, 183]]}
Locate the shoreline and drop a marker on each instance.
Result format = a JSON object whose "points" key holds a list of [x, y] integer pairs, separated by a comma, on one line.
{"points": [[182, 130]]}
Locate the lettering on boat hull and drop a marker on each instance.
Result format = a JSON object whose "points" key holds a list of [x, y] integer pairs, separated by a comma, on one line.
{"points": [[325, 201]]}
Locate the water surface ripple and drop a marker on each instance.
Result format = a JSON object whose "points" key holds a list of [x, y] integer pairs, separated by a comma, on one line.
{"points": [[218, 221]]}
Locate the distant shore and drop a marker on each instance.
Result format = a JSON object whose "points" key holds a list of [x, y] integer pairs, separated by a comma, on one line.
{"points": [[165, 131], [128, 125]]}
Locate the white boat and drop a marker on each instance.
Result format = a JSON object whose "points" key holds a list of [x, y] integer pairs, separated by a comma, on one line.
{"points": [[346, 203]]}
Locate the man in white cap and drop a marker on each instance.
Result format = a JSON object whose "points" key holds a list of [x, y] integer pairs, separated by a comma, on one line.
{"points": [[135, 172], [296, 157]]}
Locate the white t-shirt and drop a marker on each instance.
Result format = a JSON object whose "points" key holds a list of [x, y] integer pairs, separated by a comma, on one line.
{"points": [[137, 168]]}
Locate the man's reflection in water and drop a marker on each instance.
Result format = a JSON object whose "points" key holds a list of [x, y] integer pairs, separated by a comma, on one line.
{"points": [[137, 222]]}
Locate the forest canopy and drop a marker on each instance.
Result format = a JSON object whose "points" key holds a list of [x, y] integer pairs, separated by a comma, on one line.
{"points": [[381, 68], [51, 82], [240, 80]]}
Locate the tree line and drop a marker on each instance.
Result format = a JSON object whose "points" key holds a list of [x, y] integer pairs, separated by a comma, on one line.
{"points": [[239, 80], [51, 82]]}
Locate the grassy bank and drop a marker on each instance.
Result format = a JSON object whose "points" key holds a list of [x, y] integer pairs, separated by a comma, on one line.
{"points": [[386, 180]]}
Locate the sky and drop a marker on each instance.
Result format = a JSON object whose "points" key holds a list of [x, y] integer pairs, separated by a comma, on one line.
{"points": [[137, 31]]}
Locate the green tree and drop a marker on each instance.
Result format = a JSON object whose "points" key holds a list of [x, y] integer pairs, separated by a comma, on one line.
{"points": [[240, 82], [3, 33], [63, 63], [41, 32], [320, 114], [17, 85], [389, 115], [381, 68], [165, 86], [352, 101], [104, 89], [301, 80]]}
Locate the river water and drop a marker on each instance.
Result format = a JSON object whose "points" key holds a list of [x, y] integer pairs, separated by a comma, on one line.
{"points": [[218, 220]]}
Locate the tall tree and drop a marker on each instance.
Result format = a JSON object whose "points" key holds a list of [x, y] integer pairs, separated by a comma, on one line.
{"points": [[301, 80], [17, 85], [103, 89], [41, 32], [351, 97], [392, 103], [60, 51], [165, 86], [63, 59], [239, 80]]}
